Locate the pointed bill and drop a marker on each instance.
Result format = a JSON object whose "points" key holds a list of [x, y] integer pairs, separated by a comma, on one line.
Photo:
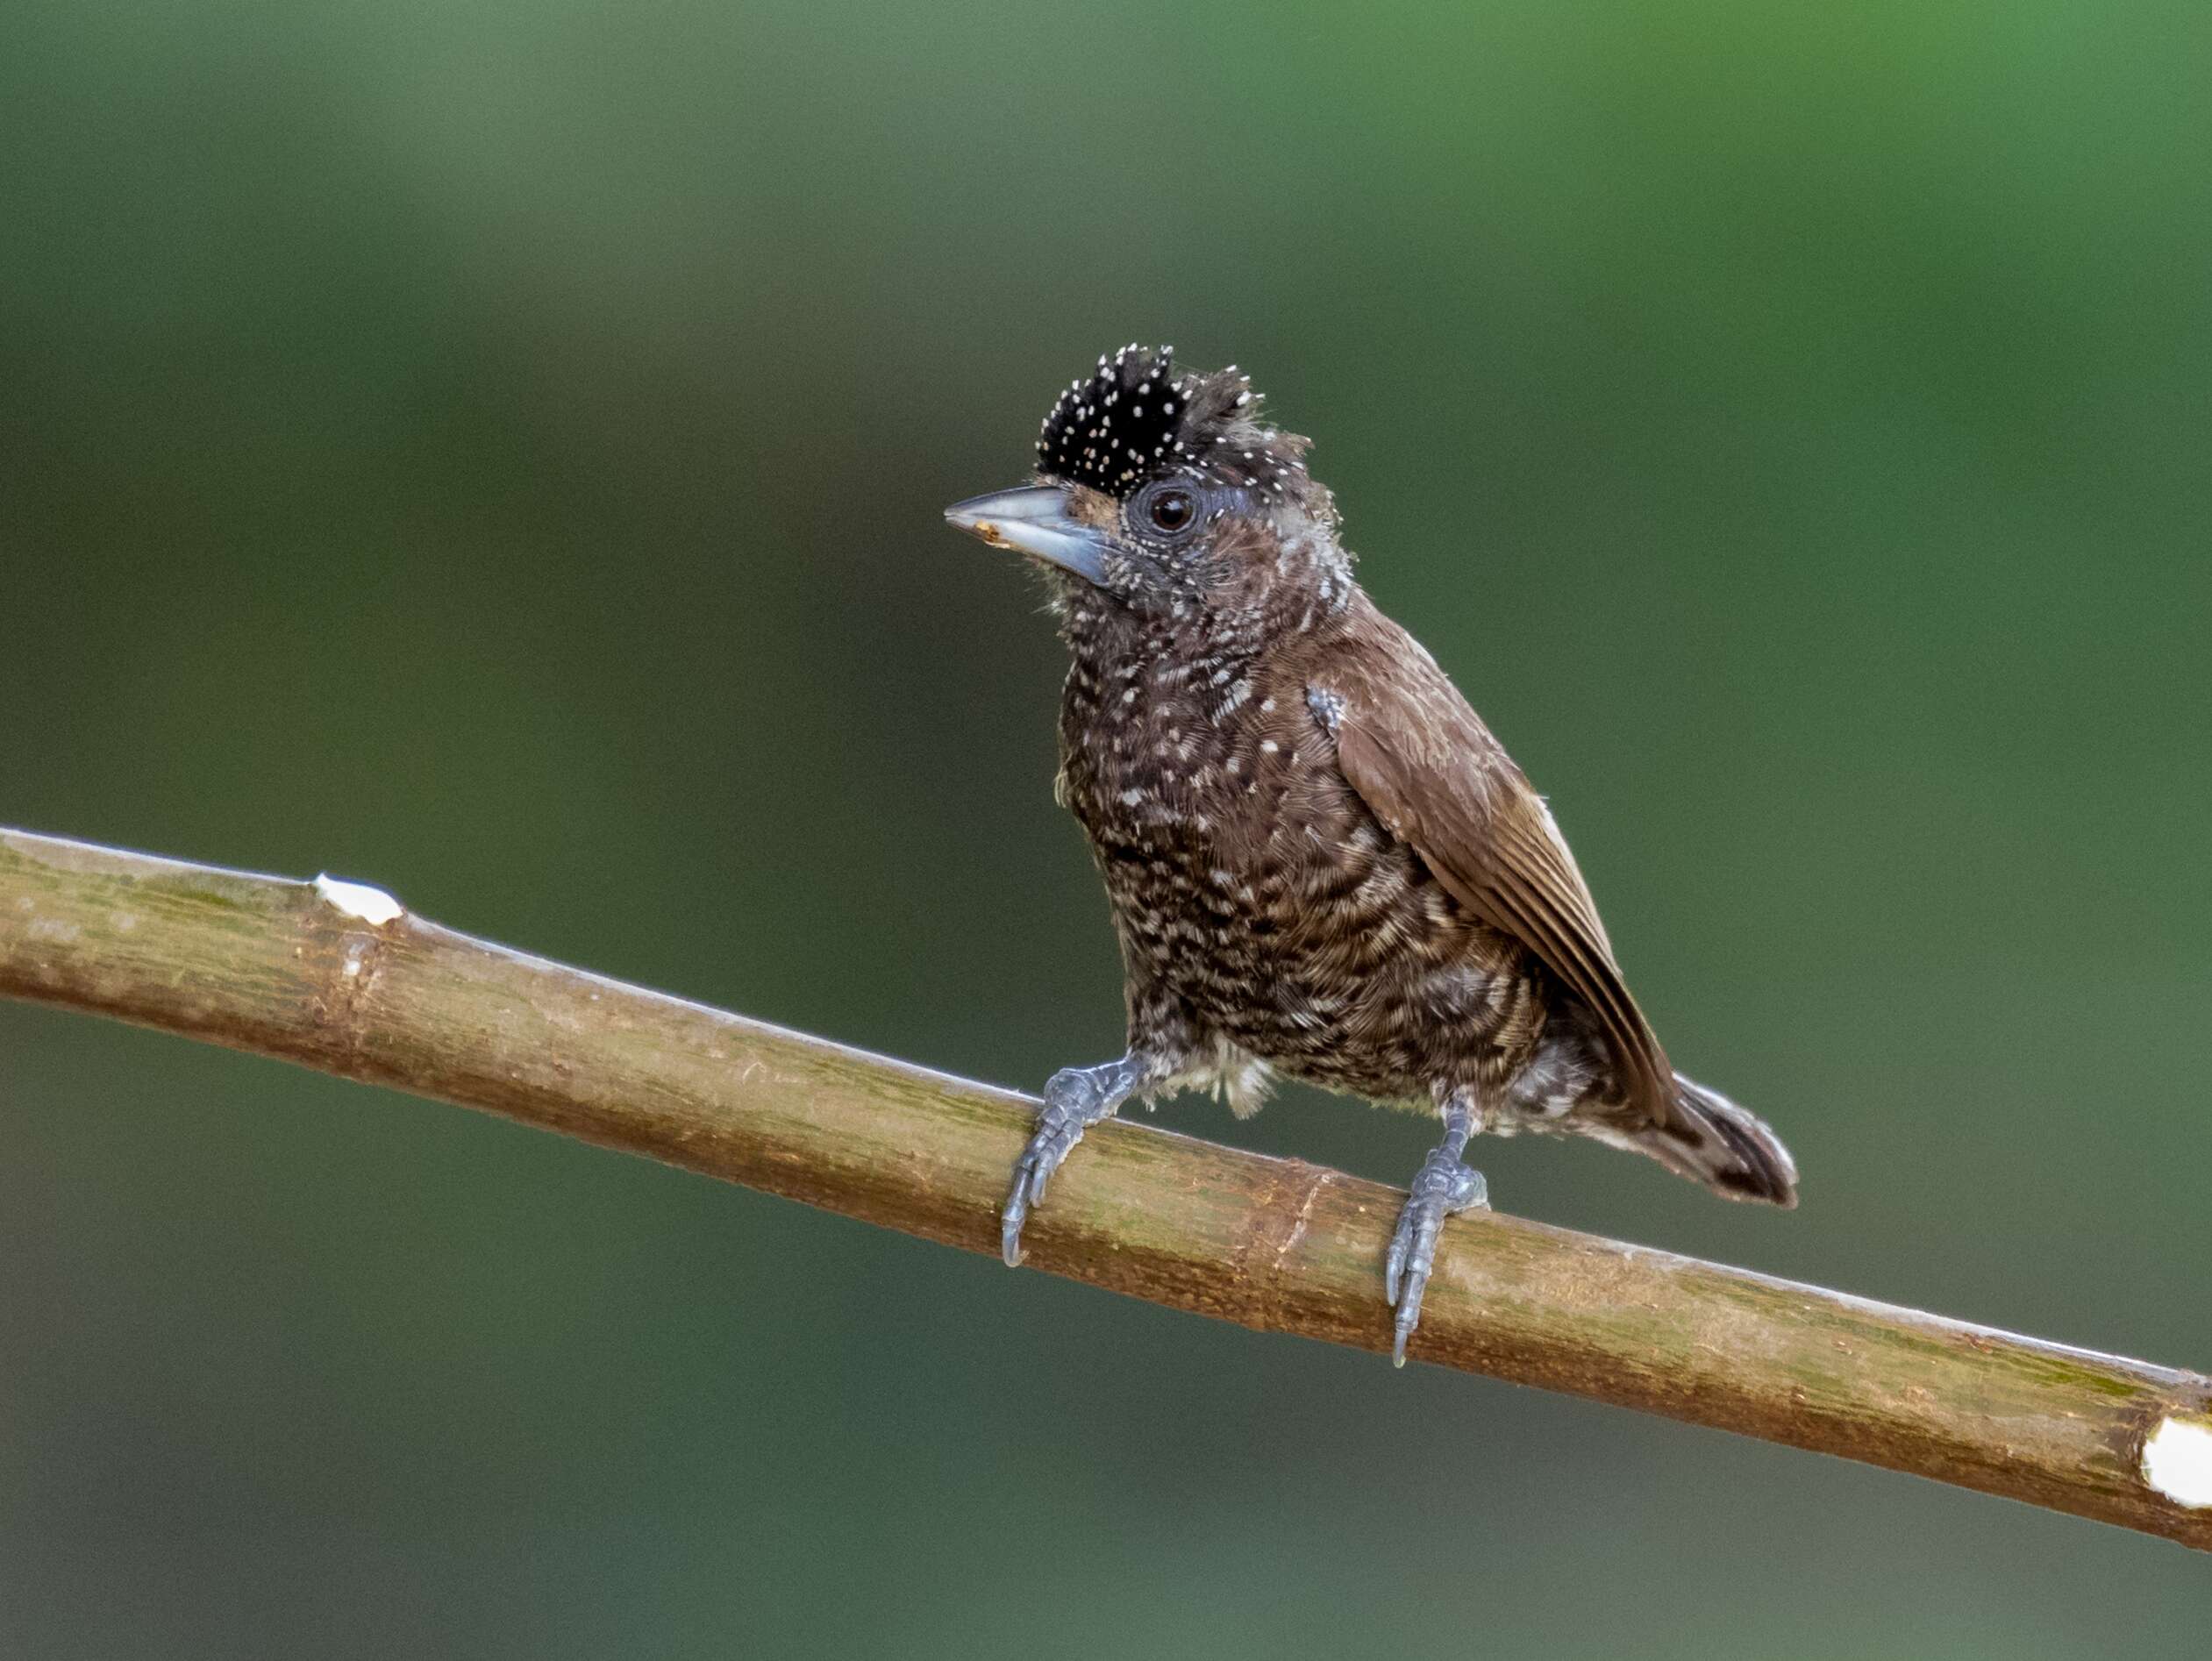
{"points": [[1033, 520]]}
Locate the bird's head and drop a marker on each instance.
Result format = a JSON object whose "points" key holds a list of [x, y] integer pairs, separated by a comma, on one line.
{"points": [[1167, 495]]}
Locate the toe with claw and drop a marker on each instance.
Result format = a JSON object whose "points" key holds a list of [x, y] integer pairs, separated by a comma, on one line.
{"points": [[1444, 1188], [1075, 1099]]}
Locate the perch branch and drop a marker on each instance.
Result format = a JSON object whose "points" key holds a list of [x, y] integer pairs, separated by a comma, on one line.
{"points": [[337, 977]]}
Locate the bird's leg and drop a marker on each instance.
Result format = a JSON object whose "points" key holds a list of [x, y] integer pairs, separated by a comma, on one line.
{"points": [[1442, 1187], [1075, 1099]]}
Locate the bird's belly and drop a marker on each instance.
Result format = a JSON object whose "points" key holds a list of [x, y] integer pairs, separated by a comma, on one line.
{"points": [[1326, 949]]}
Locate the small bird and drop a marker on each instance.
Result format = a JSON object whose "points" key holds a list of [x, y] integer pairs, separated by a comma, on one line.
{"points": [[1321, 864]]}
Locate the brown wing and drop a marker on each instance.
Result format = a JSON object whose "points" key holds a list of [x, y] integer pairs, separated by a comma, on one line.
{"points": [[1429, 769]]}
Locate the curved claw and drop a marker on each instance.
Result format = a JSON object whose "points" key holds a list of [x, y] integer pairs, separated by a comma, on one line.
{"points": [[1009, 1228], [1413, 1251]]}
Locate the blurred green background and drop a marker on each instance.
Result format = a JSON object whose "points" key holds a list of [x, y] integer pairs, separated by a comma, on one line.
{"points": [[496, 452]]}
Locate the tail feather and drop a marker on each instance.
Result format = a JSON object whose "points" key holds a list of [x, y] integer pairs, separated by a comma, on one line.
{"points": [[1731, 1151]]}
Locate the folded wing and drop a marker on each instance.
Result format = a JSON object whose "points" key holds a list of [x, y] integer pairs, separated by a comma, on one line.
{"points": [[1432, 772]]}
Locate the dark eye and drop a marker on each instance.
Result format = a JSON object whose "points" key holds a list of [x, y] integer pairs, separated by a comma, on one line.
{"points": [[1171, 509]]}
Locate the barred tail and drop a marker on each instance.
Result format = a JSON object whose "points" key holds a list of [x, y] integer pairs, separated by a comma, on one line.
{"points": [[1717, 1142]]}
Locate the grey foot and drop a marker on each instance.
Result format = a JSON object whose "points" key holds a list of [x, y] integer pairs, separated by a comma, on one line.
{"points": [[1075, 1099], [1444, 1188]]}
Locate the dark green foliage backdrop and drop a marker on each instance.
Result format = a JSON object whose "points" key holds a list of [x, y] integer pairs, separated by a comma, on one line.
{"points": [[496, 452]]}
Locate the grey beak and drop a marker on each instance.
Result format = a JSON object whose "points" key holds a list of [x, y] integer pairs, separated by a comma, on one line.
{"points": [[1033, 520]]}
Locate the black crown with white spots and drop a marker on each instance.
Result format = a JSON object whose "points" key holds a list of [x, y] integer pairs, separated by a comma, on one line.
{"points": [[1135, 420]]}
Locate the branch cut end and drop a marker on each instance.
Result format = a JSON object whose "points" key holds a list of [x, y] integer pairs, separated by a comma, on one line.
{"points": [[2176, 1461]]}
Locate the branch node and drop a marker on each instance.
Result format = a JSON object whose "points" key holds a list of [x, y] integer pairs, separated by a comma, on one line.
{"points": [[370, 905], [345, 990]]}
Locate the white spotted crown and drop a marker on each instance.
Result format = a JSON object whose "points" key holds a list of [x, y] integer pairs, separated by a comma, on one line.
{"points": [[1134, 420]]}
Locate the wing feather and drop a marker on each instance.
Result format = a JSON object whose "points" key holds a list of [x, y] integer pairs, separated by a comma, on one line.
{"points": [[1432, 772]]}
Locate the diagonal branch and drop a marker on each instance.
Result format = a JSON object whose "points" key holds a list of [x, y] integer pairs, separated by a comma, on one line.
{"points": [[337, 977]]}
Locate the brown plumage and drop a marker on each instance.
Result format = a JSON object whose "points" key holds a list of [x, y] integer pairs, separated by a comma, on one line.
{"points": [[1321, 864]]}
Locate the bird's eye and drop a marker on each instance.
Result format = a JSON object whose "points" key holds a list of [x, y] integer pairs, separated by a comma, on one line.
{"points": [[1171, 510]]}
